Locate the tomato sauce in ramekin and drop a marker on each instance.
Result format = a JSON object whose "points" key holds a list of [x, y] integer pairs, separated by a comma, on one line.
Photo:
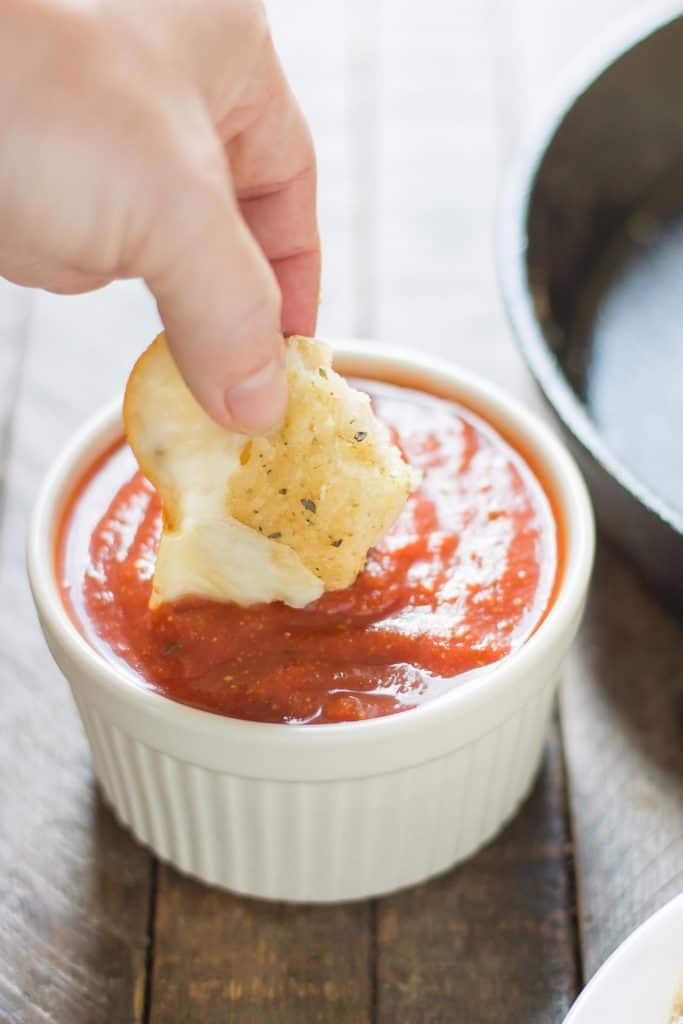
{"points": [[463, 578]]}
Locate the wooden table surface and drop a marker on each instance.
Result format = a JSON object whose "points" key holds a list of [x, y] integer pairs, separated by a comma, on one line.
{"points": [[415, 108]]}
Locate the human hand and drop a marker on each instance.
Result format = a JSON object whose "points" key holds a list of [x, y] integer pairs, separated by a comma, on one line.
{"points": [[160, 139]]}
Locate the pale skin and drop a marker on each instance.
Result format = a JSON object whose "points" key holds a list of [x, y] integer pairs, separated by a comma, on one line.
{"points": [[160, 139]]}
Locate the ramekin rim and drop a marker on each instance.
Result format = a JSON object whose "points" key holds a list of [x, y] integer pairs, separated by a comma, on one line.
{"points": [[553, 457]]}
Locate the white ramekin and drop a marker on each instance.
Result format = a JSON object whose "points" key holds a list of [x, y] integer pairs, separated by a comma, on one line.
{"points": [[327, 812]]}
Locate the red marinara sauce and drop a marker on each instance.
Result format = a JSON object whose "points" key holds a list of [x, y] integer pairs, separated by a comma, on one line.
{"points": [[463, 577]]}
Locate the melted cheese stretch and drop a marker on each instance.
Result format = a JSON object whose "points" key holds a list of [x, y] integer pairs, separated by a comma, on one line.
{"points": [[280, 518]]}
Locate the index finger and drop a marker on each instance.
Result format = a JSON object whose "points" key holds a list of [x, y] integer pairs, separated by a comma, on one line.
{"points": [[274, 175]]}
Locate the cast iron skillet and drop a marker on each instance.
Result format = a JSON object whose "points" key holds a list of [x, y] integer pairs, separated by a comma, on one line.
{"points": [[590, 251]]}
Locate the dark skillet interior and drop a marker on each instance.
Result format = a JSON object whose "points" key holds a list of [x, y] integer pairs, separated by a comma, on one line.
{"points": [[591, 262]]}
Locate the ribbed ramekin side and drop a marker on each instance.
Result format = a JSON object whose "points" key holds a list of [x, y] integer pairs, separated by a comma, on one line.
{"points": [[320, 841]]}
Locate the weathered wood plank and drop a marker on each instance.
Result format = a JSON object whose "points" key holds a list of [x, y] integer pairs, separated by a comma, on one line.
{"points": [[74, 889], [224, 960], [622, 718], [493, 940]]}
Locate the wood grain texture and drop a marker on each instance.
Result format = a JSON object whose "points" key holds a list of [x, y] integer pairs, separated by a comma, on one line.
{"points": [[74, 889], [622, 720], [493, 940], [220, 959]]}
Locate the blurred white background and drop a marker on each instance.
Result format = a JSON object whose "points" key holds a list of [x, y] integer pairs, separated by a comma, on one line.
{"points": [[415, 109]]}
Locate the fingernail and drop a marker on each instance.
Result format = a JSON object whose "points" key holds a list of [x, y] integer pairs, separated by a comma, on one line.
{"points": [[257, 405]]}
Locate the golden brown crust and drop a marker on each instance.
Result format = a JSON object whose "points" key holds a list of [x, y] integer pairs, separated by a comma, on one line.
{"points": [[308, 501], [330, 482]]}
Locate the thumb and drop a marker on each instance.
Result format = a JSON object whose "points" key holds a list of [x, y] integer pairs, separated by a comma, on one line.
{"points": [[220, 306]]}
